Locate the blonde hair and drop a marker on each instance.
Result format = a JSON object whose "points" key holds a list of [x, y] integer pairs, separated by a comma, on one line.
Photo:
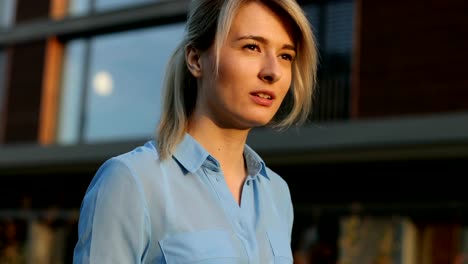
{"points": [[207, 24]]}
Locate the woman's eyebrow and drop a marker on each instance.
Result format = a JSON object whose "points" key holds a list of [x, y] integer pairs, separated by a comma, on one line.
{"points": [[265, 41]]}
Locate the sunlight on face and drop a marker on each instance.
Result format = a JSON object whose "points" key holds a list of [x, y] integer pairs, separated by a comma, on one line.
{"points": [[255, 68]]}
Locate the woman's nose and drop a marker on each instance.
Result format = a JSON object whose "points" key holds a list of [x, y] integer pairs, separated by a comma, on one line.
{"points": [[271, 69]]}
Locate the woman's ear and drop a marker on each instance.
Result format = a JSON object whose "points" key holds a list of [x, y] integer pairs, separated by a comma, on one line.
{"points": [[193, 59]]}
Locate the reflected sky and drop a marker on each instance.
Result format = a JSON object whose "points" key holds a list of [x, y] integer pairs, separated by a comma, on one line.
{"points": [[82, 7], [79, 7], [72, 91], [123, 84], [113, 4], [6, 12], [2, 75]]}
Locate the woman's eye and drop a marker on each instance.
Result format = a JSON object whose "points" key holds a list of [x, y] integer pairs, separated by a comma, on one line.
{"points": [[251, 47], [287, 57]]}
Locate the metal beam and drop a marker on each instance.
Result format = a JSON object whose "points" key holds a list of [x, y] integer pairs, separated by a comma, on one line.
{"points": [[106, 22], [443, 135], [431, 137]]}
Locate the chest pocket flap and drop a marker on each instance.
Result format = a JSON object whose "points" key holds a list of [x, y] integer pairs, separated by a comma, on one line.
{"points": [[204, 247], [280, 244]]}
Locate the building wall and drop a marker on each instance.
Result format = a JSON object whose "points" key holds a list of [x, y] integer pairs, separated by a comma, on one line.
{"points": [[410, 58]]}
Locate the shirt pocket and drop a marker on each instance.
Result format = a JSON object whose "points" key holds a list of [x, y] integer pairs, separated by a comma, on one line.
{"points": [[201, 247], [280, 245]]}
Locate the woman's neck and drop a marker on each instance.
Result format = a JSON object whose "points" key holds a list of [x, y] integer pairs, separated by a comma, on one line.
{"points": [[227, 147]]}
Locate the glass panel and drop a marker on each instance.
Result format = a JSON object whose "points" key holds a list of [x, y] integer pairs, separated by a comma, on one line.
{"points": [[2, 75], [333, 26], [123, 85], [7, 10], [79, 7], [313, 14], [339, 33], [113, 4], [83, 7], [72, 92]]}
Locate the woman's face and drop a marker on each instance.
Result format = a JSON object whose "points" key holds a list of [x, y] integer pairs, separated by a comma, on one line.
{"points": [[255, 66]]}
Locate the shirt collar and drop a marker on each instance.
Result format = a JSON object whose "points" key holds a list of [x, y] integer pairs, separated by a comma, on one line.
{"points": [[255, 164], [191, 155]]}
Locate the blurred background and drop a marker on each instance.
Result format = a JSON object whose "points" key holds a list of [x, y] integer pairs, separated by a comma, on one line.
{"points": [[373, 174]]}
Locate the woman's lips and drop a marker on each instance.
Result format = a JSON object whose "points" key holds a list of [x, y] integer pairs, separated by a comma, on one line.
{"points": [[262, 98]]}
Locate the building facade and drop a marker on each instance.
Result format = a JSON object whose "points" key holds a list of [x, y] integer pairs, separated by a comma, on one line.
{"points": [[80, 82]]}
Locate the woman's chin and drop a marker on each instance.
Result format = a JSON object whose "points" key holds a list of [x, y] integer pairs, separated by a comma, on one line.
{"points": [[259, 122]]}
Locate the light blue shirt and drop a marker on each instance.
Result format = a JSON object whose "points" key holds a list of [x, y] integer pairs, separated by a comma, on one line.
{"points": [[139, 209]]}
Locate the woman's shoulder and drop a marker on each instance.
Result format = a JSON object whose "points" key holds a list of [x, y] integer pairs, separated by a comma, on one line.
{"points": [[276, 179], [279, 190], [141, 154], [136, 162]]}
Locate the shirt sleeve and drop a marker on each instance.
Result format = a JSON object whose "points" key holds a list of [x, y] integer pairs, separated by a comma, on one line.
{"points": [[112, 226], [290, 210]]}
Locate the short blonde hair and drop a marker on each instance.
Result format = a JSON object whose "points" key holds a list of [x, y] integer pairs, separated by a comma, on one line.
{"points": [[208, 23]]}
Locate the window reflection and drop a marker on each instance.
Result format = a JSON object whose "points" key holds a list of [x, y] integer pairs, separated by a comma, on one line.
{"points": [[2, 75], [122, 93], [79, 7], [69, 120], [339, 27], [83, 7], [332, 23], [313, 14], [113, 4], [7, 10]]}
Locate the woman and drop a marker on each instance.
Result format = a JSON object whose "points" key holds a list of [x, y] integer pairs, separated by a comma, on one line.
{"points": [[198, 193]]}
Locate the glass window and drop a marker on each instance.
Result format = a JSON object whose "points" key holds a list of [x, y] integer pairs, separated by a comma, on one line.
{"points": [[339, 33], [113, 4], [333, 26], [79, 7], [2, 74], [82, 7], [313, 14], [72, 91], [120, 98], [7, 10]]}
